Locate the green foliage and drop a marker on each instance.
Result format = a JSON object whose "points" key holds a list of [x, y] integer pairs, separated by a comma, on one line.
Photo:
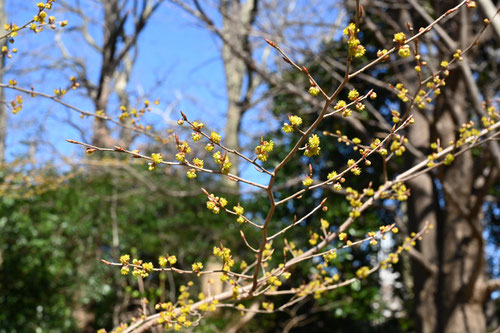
{"points": [[51, 245]]}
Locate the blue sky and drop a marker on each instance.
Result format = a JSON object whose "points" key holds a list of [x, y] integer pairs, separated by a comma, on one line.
{"points": [[178, 61], [173, 51]]}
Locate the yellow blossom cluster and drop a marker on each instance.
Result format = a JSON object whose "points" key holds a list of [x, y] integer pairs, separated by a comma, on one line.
{"points": [[295, 121], [312, 148], [264, 149], [225, 254], [354, 45], [215, 203]]}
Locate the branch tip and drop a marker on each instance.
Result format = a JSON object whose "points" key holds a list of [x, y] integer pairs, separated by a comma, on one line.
{"points": [[270, 43]]}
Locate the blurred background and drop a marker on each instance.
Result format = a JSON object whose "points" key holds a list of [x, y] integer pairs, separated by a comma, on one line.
{"points": [[141, 62]]}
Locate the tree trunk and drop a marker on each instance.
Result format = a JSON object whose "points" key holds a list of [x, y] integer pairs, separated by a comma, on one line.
{"points": [[116, 50], [101, 135], [461, 244], [237, 21], [423, 206], [113, 25], [451, 299], [121, 83]]}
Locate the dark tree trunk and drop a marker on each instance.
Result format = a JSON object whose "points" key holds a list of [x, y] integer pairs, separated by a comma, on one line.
{"points": [[423, 206], [451, 297]]}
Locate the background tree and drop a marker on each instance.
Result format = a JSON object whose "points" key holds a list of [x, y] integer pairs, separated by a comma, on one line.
{"points": [[123, 22], [452, 257]]}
